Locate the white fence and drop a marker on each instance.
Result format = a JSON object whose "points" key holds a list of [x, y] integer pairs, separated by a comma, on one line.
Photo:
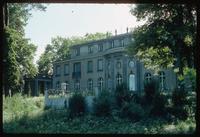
{"points": [[59, 99]]}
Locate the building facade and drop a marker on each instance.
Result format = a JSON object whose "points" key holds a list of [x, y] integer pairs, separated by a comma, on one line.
{"points": [[103, 64]]}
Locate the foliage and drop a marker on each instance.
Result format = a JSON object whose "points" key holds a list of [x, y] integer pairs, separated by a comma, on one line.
{"points": [[77, 105], [18, 52], [159, 105], [122, 94], [179, 101], [19, 13], [188, 78], [59, 49], [27, 115], [102, 104], [150, 89], [38, 120], [132, 111], [17, 106], [168, 37]]}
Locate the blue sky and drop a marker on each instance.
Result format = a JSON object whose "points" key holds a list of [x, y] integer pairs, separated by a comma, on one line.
{"points": [[68, 20]]}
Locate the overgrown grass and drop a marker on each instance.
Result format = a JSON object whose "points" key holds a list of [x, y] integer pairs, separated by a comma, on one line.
{"points": [[26, 115]]}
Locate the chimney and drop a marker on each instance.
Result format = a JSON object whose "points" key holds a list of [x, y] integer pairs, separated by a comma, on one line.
{"points": [[115, 32], [127, 30]]}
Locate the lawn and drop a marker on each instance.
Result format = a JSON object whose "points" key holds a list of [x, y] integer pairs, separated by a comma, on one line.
{"points": [[27, 115]]}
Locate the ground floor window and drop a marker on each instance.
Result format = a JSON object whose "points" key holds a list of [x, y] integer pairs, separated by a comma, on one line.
{"points": [[162, 80], [77, 85], [147, 77], [90, 84], [119, 79], [67, 85], [132, 82], [57, 84], [100, 83]]}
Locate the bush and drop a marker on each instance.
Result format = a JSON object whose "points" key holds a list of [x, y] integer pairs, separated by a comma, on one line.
{"points": [[179, 102], [159, 105], [77, 105], [102, 104], [132, 110], [150, 89], [122, 95]]}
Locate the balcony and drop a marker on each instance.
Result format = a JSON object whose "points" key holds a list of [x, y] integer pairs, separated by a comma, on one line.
{"points": [[76, 75]]}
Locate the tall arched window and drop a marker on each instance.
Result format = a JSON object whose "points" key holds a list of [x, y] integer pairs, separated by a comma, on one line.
{"points": [[90, 84], [119, 79], [147, 77], [162, 80], [132, 84], [100, 83]]}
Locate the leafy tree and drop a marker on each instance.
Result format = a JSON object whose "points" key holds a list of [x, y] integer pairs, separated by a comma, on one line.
{"points": [[18, 52], [59, 50], [168, 37]]}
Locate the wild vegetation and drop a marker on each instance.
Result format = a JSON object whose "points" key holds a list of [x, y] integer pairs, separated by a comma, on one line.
{"points": [[27, 115]]}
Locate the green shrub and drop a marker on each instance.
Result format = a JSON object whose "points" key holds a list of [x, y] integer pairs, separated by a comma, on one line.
{"points": [[179, 102], [159, 104], [150, 89], [179, 97], [122, 94], [77, 105], [132, 110], [102, 104]]}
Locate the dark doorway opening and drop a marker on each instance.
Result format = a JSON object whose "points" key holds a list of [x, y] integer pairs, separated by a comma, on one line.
{"points": [[41, 87]]}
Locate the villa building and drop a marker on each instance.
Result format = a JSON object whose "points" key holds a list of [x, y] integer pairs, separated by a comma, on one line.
{"points": [[103, 64]]}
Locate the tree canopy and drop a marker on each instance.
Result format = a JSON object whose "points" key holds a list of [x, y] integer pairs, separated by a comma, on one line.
{"points": [[168, 38], [18, 51]]}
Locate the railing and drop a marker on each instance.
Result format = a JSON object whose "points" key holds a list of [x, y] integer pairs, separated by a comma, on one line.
{"points": [[76, 74], [60, 98]]}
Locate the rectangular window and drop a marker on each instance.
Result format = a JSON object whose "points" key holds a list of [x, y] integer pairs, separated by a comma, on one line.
{"points": [[100, 47], [112, 44], [90, 49], [90, 66], [77, 51], [100, 65], [66, 69], [122, 42], [57, 70], [77, 67]]}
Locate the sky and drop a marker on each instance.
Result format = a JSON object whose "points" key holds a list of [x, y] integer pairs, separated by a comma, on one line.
{"points": [[68, 20]]}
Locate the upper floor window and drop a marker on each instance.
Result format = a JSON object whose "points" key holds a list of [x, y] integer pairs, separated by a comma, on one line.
{"points": [[109, 65], [90, 84], [90, 66], [118, 64], [66, 69], [58, 70], [100, 47], [90, 49], [77, 51], [77, 67], [100, 65], [112, 44], [162, 79], [122, 42], [147, 77]]}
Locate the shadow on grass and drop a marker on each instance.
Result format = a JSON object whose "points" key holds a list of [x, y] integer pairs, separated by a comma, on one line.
{"points": [[57, 121]]}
